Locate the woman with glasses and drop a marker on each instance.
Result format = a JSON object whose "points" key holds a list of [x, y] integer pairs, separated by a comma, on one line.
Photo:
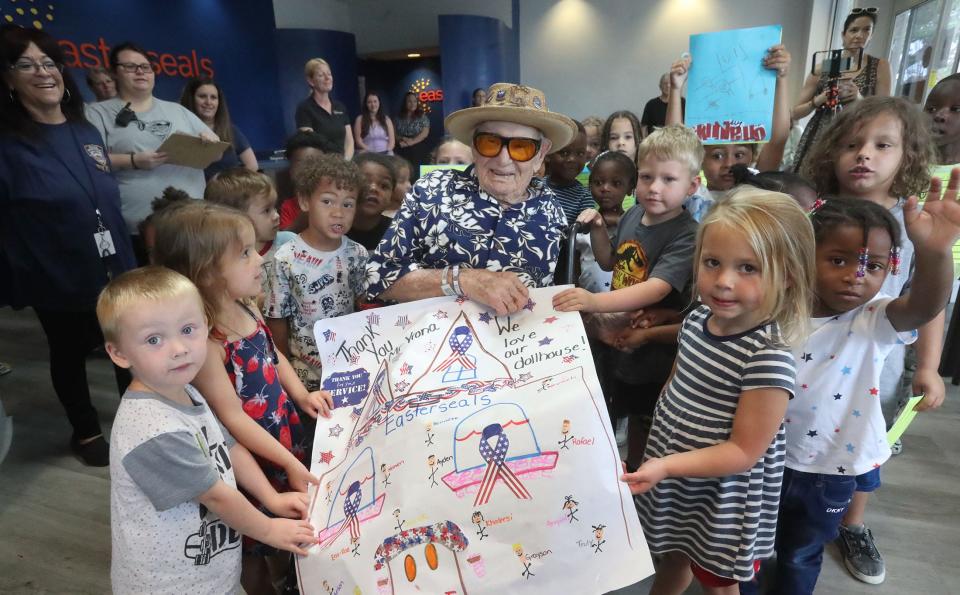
{"points": [[205, 98], [134, 124], [62, 236], [872, 78], [487, 233]]}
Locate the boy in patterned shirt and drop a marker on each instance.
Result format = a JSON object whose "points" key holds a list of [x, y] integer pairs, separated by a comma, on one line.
{"points": [[319, 274]]}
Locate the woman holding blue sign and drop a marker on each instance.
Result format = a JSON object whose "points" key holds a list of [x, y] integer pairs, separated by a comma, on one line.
{"points": [[491, 231], [871, 78], [62, 236]]}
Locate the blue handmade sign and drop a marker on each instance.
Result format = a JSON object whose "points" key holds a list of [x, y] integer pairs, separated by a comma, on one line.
{"points": [[729, 92], [348, 388]]}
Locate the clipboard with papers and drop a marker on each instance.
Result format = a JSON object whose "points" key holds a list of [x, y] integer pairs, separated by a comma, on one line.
{"points": [[191, 151]]}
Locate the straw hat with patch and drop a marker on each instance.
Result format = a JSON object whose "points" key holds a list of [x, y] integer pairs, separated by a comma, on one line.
{"points": [[508, 102]]}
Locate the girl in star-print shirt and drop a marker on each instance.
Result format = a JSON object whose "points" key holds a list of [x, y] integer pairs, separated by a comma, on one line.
{"points": [[834, 426]]}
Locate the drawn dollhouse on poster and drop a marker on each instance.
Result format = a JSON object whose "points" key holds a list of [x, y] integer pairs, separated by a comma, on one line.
{"points": [[469, 453]]}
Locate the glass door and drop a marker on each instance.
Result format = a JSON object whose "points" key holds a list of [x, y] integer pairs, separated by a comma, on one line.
{"points": [[924, 47]]}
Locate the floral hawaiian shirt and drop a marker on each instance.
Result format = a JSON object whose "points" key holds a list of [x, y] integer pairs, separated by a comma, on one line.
{"points": [[448, 219]]}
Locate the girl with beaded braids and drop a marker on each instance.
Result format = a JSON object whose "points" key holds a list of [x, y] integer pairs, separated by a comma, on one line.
{"points": [[880, 149], [835, 429]]}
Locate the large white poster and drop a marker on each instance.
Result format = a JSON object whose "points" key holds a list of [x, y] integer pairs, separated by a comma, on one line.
{"points": [[469, 453]]}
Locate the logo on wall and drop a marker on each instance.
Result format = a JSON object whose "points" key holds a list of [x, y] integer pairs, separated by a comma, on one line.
{"points": [[93, 54], [26, 15], [424, 95]]}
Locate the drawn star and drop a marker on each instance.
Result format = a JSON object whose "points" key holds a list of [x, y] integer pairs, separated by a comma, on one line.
{"points": [[406, 368], [856, 413], [326, 457], [335, 431], [837, 397], [840, 469], [525, 376], [461, 300], [806, 357], [545, 341], [440, 315], [812, 434], [485, 317], [846, 370], [550, 319], [874, 391], [530, 305], [850, 447], [401, 386]]}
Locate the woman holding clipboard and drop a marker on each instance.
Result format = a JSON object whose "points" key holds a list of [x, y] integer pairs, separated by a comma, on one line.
{"points": [[134, 124]]}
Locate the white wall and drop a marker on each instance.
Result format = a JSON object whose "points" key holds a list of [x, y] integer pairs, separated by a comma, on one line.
{"points": [[382, 25], [594, 57]]}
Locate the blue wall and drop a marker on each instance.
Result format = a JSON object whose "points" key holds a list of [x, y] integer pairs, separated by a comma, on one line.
{"points": [[295, 47], [490, 56], [232, 39]]}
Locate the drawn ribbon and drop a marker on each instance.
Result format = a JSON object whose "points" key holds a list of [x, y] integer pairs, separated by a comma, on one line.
{"points": [[496, 467], [460, 341]]}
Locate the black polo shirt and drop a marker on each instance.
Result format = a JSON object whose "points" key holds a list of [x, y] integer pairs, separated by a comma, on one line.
{"points": [[329, 126]]}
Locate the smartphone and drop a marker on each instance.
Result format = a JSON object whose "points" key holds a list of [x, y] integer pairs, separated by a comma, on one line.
{"points": [[837, 62]]}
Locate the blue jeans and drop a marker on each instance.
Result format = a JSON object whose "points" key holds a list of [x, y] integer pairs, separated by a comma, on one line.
{"points": [[811, 508]]}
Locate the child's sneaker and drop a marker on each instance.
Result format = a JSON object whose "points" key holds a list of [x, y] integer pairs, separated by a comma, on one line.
{"points": [[860, 554], [896, 448]]}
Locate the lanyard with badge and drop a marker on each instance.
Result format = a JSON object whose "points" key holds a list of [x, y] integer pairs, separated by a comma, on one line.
{"points": [[101, 237]]}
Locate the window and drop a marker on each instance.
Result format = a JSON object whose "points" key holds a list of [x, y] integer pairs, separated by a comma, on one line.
{"points": [[924, 47]]}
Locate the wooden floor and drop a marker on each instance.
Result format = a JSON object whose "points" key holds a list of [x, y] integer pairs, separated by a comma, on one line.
{"points": [[55, 513]]}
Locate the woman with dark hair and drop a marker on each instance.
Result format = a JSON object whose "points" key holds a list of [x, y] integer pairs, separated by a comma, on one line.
{"points": [[873, 78], [134, 124], [373, 130], [62, 236], [412, 129], [205, 98], [478, 96]]}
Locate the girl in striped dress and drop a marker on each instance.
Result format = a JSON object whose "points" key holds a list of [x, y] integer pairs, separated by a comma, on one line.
{"points": [[709, 486]]}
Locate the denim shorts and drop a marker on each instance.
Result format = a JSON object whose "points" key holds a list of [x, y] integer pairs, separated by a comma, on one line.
{"points": [[869, 481]]}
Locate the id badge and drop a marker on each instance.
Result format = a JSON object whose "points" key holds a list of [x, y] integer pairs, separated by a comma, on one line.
{"points": [[104, 243]]}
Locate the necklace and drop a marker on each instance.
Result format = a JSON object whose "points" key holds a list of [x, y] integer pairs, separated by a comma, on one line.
{"points": [[266, 358]]}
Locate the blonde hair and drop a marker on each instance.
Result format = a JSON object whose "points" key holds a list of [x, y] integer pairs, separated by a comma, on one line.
{"points": [[782, 237], [237, 187], [310, 68], [193, 241], [673, 143], [592, 121], [131, 289]]}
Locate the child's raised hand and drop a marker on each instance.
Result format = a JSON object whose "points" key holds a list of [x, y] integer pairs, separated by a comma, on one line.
{"points": [[650, 473], [292, 505], [777, 58], [679, 71], [290, 535], [590, 217], [575, 300], [318, 402], [299, 477], [936, 227]]}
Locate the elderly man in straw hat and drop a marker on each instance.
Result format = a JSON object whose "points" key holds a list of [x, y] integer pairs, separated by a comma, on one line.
{"points": [[487, 233]]}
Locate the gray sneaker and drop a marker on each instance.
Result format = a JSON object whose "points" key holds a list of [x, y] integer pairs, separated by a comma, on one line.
{"points": [[896, 448], [860, 556]]}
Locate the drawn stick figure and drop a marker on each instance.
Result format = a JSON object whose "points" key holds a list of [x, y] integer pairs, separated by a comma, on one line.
{"points": [[396, 515], [518, 550], [477, 519], [329, 489], [598, 533], [429, 440], [432, 462], [570, 505], [356, 549], [565, 433], [386, 476]]}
